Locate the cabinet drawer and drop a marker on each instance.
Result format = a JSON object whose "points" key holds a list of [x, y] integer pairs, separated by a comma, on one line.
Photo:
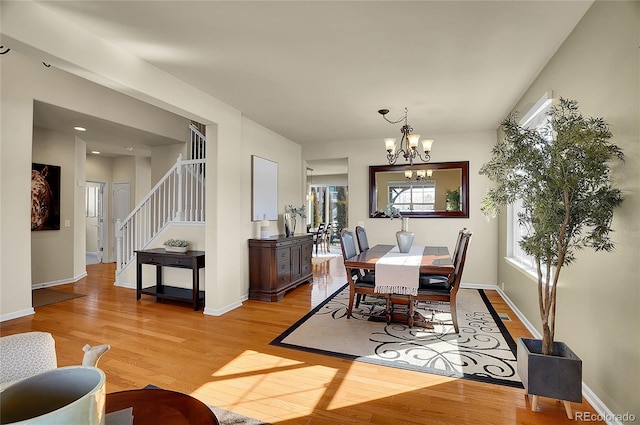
{"points": [[283, 255], [283, 279], [283, 267], [178, 262], [307, 250], [157, 260]]}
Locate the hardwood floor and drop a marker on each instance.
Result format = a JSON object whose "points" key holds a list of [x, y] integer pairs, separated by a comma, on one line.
{"points": [[227, 361]]}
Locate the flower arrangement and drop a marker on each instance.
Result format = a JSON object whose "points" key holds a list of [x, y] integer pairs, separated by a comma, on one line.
{"points": [[181, 243], [392, 212], [301, 211]]}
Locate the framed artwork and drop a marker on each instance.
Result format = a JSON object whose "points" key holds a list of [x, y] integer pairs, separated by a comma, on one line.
{"points": [[45, 197], [264, 189]]}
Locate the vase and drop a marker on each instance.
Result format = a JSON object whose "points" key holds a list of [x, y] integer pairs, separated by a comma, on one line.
{"points": [[404, 237], [264, 228], [65, 395], [289, 224]]}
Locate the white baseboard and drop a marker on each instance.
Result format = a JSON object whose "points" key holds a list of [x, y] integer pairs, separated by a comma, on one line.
{"points": [[128, 285], [207, 311], [220, 311], [587, 393], [58, 282], [17, 314]]}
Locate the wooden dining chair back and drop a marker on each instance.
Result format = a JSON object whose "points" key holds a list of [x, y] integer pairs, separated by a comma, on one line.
{"points": [[328, 234], [359, 284], [439, 277], [361, 235], [320, 237], [445, 290]]}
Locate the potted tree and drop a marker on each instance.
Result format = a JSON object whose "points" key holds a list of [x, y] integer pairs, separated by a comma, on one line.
{"points": [[562, 176], [453, 200]]}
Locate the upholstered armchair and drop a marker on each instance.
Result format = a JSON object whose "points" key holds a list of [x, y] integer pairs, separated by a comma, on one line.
{"points": [[30, 353]]}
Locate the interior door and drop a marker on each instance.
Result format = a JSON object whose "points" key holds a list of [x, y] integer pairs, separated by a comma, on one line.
{"points": [[95, 225]]}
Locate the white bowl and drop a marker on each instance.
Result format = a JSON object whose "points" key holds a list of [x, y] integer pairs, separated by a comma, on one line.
{"points": [[66, 396]]}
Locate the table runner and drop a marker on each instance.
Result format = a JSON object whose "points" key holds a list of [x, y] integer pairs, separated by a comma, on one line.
{"points": [[398, 273]]}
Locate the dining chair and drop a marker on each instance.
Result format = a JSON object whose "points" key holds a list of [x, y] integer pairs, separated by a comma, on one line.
{"points": [[443, 290], [359, 284], [328, 232], [361, 235], [363, 245], [440, 277], [319, 237]]}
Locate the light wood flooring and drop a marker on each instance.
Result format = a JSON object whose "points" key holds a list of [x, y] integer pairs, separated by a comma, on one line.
{"points": [[227, 361]]}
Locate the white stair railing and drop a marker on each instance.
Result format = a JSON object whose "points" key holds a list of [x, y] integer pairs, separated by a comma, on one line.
{"points": [[197, 144], [178, 196]]}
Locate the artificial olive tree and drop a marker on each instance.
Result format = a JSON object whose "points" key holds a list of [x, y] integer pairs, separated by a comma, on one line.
{"points": [[562, 175]]}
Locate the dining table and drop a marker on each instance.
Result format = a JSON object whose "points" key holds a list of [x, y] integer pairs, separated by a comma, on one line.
{"points": [[432, 260]]}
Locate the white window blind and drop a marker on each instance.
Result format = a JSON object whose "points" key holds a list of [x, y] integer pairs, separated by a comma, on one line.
{"points": [[536, 118]]}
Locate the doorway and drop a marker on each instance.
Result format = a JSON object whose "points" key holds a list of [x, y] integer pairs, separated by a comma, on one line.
{"points": [[95, 213], [328, 194]]}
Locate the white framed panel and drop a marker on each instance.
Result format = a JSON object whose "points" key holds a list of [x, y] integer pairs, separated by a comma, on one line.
{"points": [[264, 189]]}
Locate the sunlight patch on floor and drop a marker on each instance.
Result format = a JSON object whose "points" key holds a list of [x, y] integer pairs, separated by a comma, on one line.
{"points": [[255, 384]]}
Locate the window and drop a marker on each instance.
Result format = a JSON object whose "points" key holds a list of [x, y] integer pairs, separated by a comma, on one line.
{"points": [[407, 196], [537, 118], [91, 198]]}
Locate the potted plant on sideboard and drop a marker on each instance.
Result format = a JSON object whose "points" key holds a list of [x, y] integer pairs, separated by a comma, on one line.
{"points": [[176, 245], [562, 176]]}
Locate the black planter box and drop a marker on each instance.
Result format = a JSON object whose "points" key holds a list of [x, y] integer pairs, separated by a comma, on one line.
{"points": [[557, 376]]}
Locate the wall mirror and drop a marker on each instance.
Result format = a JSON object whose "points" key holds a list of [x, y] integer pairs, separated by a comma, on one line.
{"points": [[438, 189]]}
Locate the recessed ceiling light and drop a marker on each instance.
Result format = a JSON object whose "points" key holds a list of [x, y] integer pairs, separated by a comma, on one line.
{"points": [[95, 152], [79, 128]]}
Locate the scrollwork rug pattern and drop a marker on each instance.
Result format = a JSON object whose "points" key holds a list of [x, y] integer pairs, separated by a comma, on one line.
{"points": [[483, 351]]}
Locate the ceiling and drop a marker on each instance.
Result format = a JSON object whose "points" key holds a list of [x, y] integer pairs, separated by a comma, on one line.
{"points": [[109, 138], [318, 71]]}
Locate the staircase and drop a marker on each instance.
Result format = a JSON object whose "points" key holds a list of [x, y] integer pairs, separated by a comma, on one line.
{"points": [[179, 197]]}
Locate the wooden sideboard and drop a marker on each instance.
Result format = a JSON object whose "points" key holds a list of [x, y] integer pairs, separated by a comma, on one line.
{"points": [[278, 264]]}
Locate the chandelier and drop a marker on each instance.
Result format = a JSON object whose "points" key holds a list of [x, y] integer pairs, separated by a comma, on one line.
{"points": [[408, 143], [421, 176]]}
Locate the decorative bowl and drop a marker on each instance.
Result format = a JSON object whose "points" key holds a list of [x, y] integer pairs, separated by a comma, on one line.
{"points": [[66, 395]]}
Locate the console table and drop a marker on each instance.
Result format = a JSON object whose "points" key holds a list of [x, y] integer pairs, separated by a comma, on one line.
{"points": [[158, 257], [278, 264]]}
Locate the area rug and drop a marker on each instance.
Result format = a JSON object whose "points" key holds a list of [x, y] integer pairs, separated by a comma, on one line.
{"points": [[484, 351], [224, 416], [46, 296]]}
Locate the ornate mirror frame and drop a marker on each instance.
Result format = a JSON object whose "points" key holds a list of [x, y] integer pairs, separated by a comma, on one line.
{"points": [[376, 211]]}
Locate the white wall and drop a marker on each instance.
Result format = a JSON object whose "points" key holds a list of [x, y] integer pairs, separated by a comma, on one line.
{"points": [[78, 222], [142, 179], [50, 248], [266, 144], [474, 147], [163, 158]]}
